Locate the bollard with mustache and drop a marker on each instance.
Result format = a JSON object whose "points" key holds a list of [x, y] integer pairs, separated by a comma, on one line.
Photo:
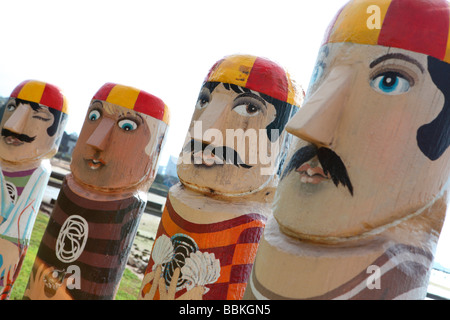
{"points": [[331, 163], [223, 154], [31, 128], [363, 195], [16, 138], [213, 219]]}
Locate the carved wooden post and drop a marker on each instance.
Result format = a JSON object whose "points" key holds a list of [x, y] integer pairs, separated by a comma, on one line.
{"points": [[213, 219], [362, 199], [87, 241], [31, 128]]}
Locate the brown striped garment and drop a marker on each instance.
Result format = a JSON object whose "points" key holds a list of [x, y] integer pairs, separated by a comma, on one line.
{"points": [[102, 257]]}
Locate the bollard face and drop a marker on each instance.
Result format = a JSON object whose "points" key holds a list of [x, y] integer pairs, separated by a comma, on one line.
{"points": [[32, 123], [214, 218], [236, 138], [363, 194], [374, 127], [31, 128], [85, 247], [118, 147]]}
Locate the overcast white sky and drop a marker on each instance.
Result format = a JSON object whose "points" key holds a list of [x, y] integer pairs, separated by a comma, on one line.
{"points": [[163, 47]]}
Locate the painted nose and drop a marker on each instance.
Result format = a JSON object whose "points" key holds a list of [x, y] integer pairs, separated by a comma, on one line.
{"points": [[317, 121], [100, 137], [18, 120]]}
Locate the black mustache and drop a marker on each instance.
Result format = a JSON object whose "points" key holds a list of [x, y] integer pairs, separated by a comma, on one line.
{"points": [[226, 154], [331, 163], [21, 137]]}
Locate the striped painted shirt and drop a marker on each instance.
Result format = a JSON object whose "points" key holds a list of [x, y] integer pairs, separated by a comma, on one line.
{"points": [[95, 236], [233, 242], [16, 182]]}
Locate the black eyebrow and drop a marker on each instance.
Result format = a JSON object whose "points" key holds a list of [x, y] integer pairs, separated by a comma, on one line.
{"points": [[251, 95], [134, 114], [42, 109], [400, 56], [33, 105], [95, 101], [36, 107]]}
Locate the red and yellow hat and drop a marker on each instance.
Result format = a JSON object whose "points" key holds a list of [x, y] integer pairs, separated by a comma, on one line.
{"points": [[421, 26], [42, 93], [258, 74], [134, 99]]}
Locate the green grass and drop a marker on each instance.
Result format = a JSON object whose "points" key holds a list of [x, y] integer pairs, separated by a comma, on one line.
{"points": [[36, 236], [128, 289], [129, 286]]}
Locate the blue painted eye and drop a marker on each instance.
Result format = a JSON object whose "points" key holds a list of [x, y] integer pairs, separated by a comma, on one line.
{"points": [[94, 115], [127, 125], [391, 83]]}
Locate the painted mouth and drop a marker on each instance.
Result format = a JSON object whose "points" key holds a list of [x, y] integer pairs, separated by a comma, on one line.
{"points": [[95, 164], [14, 138], [329, 166], [13, 141], [203, 153], [313, 175]]}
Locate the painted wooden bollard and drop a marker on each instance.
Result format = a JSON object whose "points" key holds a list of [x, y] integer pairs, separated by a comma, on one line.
{"points": [[362, 198], [85, 247], [31, 128], [213, 219]]}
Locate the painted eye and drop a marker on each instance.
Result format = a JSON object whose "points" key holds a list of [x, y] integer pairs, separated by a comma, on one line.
{"points": [[201, 104], [391, 83], [11, 108], [203, 100], [127, 125], [94, 115], [247, 110]]}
